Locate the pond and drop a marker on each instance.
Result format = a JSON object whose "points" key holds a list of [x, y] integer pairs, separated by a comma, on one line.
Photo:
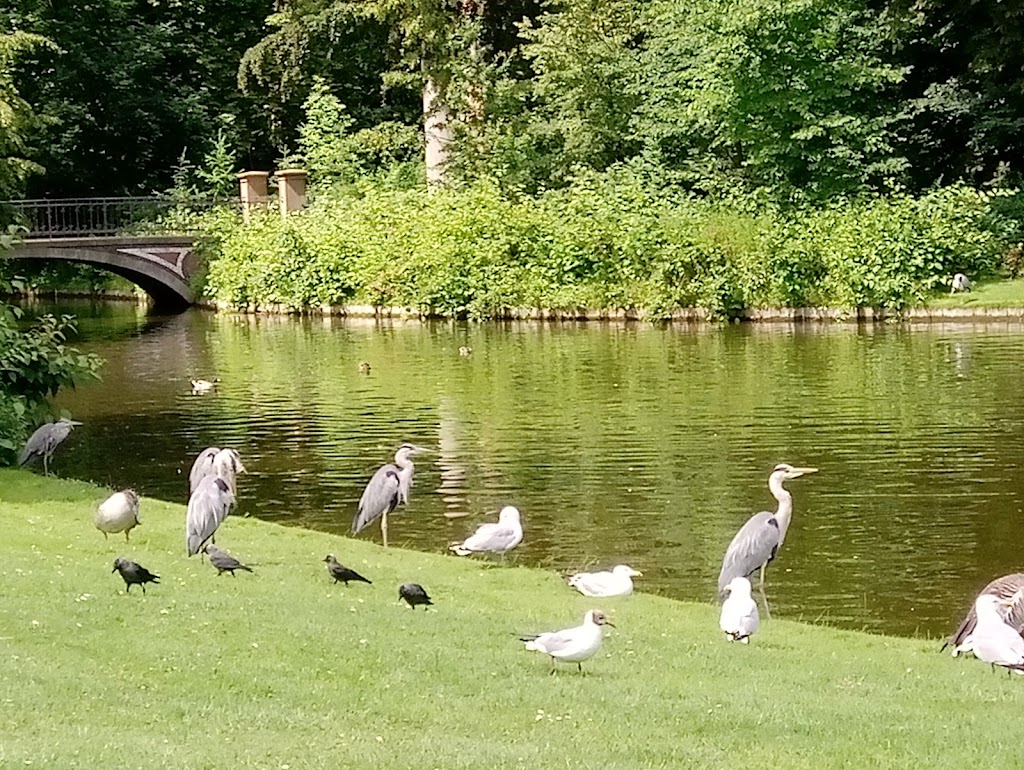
{"points": [[619, 443]]}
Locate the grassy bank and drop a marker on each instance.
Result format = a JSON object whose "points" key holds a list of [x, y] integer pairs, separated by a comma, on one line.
{"points": [[986, 294], [280, 669]]}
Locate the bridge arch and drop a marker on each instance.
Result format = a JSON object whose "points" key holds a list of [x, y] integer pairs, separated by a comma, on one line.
{"points": [[162, 266]]}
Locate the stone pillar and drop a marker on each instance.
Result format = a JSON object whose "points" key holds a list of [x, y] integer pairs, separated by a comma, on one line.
{"points": [[291, 189], [252, 190]]}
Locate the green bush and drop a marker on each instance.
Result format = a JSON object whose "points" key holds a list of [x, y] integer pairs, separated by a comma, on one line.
{"points": [[608, 241]]}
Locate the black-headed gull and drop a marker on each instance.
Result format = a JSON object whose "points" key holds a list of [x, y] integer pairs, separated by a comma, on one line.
{"points": [[572, 645], [494, 538], [617, 582]]}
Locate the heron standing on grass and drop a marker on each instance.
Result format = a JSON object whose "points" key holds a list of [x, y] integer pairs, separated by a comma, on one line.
{"points": [[44, 442], [213, 461], [759, 540], [388, 487], [1009, 589]]}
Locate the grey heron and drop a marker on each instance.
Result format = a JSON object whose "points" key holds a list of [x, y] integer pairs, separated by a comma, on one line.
{"points": [[617, 582], [992, 640], [118, 513], [960, 282], [388, 487], [208, 506], [739, 618], [500, 537], [213, 461], [341, 573], [572, 645], [414, 594], [759, 540], [133, 574], [1009, 589], [44, 442], [223, 561]]}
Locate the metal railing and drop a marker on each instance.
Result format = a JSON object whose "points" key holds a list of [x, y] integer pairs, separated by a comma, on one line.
{"points": [[96, 217]]}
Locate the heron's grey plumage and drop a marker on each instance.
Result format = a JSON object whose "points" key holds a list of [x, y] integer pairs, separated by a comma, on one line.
{"points": [[1010, 591], [960, 282], [202, 467], [759, 540], [388, 487], [133, 574], [208, 506], [44, 441], [118, 513], [212, 461], [223, 561]]}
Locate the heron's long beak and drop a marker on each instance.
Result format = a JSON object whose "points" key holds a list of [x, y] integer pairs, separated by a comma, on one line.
{"points": [[798, 472], [75, 422]]}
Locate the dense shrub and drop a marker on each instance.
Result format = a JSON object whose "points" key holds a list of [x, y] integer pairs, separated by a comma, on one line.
{"points": [[606, 242]]}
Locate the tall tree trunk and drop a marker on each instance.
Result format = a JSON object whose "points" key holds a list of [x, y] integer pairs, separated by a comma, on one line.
{"points": [[437, 132]]}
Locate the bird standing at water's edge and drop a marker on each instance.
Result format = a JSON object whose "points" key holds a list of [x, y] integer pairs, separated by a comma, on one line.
{"points": [[118, 513], [388, 487], [342, 573], [572, 645], [759, 540], [44, 442]]}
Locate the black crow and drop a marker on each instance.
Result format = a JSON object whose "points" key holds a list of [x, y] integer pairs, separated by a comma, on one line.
{"points": [[223, 561], [414, 594], [341, 572], [133, 573]]}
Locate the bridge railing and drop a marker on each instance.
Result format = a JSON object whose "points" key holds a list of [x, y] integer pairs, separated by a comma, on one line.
{"points": [[96, 217]]}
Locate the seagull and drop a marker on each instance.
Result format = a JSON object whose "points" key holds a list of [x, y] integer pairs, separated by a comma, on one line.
{"points": [[414, 594], [740, 617], [341, 572], [118, 513], [133, 573], [618, 582], [200, 387], [223, 561], [573, 645], [1010, 590], [494, 538], [960, 282], [993, 641]]}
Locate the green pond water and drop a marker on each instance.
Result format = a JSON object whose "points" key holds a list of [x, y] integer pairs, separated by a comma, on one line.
{"points": [[619, 443]]}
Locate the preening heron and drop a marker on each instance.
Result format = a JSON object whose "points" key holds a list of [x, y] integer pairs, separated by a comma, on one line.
{"points": [[213, 461], [118, 513], [208, 506], [44, 442], [960, 282], [759, 540], [500, 537], [388, 487], [1009, 589]]}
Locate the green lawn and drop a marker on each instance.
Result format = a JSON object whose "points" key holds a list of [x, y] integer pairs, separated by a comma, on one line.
{"points": [[997, 293], [281, 669]]}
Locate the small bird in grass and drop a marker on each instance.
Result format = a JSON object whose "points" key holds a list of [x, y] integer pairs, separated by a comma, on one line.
{"points": [[223, 561], [414, 594], [993, 641], [618, 582], [499, 538], [118, 513], [44, 442], [739, 618], [133, 573], [342, 573], [573, 645]]}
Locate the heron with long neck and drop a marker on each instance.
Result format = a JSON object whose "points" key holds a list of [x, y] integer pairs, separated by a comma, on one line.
{"points": [[388, 487], [759, 540]]}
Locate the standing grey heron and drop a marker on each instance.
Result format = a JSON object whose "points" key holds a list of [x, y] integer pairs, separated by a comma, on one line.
{"points": [[759, 540], [118, 513], [44, 442], [212, 461], [1009, 589], [208, 506], [388, 487]]}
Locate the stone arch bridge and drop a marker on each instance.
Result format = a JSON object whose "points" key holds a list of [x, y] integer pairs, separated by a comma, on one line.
{"points": [[127, 236]]}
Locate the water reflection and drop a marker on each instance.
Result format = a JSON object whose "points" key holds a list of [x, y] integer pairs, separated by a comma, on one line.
{"points": [[619, 443]]}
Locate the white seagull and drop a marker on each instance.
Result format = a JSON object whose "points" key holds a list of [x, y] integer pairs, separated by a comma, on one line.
{"points": [[993, 641], [739, 617], [618, 582], [494, 538], [199, 387], [573, 645], [1010, 591]]}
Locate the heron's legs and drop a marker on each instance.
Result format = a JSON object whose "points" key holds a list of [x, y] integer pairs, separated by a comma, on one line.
{"points": [[46, 464], [764, 597], [384, 528]]}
